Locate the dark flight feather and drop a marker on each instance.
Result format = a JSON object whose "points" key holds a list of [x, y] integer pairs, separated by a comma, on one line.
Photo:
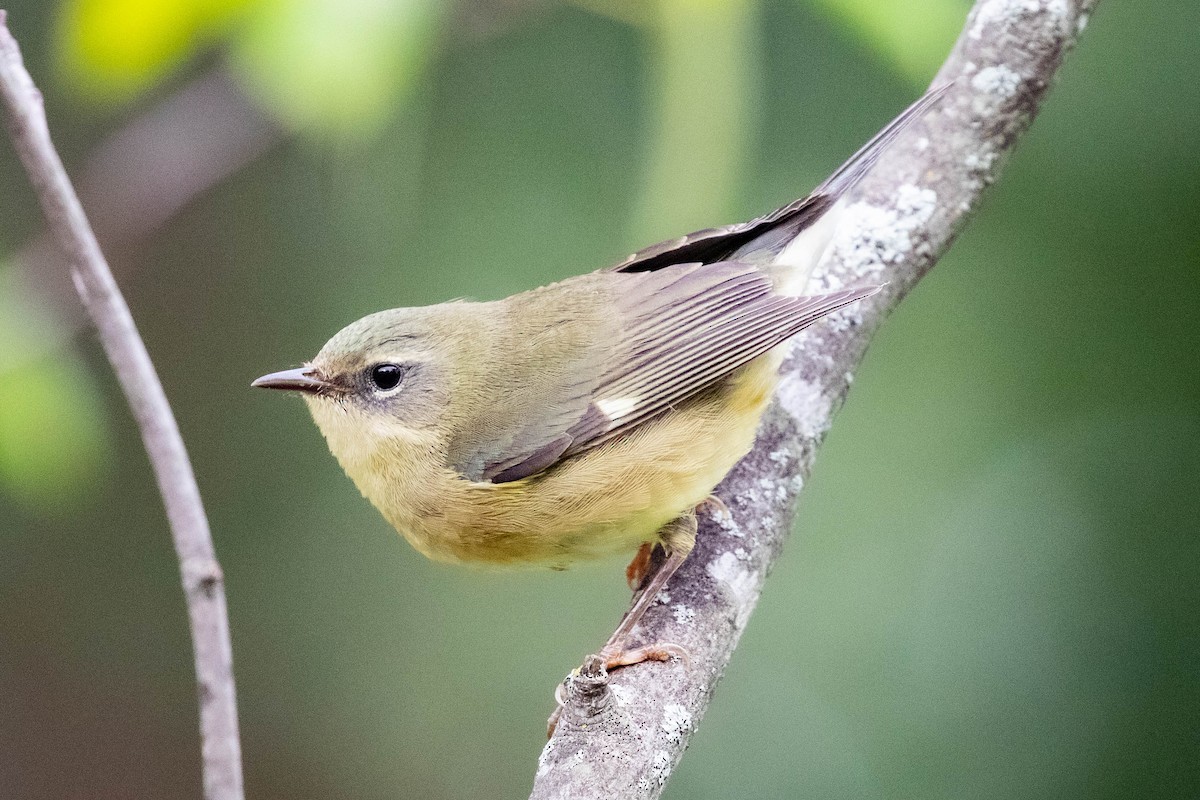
{"points": [[772, 232]]}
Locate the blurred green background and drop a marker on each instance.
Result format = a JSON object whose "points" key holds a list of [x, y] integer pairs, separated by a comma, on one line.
{"points": [[992, 590]]}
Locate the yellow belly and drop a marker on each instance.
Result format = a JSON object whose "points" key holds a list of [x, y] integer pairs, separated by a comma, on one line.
{"points": [[605, 500]]}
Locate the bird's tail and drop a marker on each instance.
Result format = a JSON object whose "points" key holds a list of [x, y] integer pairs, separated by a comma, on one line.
{"points": [[796, 234], [802, 230]]}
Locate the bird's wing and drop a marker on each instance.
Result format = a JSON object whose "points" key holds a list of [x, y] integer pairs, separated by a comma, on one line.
{"points": [[714, 244], [688, 312], [683, 327]]}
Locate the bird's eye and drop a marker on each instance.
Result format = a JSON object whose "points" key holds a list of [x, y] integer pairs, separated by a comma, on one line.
{"points": [[386, 376]]}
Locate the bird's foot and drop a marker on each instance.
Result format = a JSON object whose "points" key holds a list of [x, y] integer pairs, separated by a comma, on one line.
{"points": [[616, 657], [613, 658]]}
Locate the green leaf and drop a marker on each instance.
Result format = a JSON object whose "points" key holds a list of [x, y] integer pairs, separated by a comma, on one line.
{"points": [[914, 35], [53, 432], [338, 68], [693, 170]]}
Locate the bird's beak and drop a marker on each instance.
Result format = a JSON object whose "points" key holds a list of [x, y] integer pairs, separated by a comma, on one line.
{"points": [[304, 379]]}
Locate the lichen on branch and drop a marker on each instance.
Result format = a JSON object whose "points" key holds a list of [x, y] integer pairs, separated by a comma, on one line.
{"points": [[621, 735]]}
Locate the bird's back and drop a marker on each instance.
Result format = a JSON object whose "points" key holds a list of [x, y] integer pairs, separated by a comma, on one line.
{"points": [[523, 482]]}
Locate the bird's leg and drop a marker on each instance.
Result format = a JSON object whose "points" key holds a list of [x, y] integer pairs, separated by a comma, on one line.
{"points": [[636, 572], [677, 537]]}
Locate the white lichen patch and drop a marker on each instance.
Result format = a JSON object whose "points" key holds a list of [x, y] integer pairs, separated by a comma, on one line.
{"points": [[1059, 8], [981, 161], [663, 597], [995, 85], [875, 236], [676, 723], [544, 763], [660, 770], [980, 165], [913, 201], [683, 614], [742, 583], [725, 521], [997, 79], [806, 402], [772, 489], [993, 12], [741, 554]]}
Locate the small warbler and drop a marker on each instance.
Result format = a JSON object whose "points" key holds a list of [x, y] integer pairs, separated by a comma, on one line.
{"points": [[587, 417]]}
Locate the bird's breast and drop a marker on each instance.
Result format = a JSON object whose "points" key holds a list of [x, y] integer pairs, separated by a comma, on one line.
{"points": [[605, 500]]}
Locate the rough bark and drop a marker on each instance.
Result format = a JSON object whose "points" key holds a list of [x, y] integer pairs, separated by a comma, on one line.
{"points": [[623, 735]]}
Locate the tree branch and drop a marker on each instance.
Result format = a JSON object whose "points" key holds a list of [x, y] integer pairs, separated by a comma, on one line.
{"points": [[623, 735], [203, 582]]}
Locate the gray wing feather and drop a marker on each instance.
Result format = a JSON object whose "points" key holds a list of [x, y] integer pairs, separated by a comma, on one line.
{"points": [[684, 328], [681, 361]]}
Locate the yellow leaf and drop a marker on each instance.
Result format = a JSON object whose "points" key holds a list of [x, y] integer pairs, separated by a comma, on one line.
{"points": [[116, 48]]}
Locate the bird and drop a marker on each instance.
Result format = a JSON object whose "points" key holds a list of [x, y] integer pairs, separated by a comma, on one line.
{"points": [[587, 417]]}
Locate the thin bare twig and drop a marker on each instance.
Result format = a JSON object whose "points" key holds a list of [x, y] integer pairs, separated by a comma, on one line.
{"points": [[623, 735], [203, 582]]}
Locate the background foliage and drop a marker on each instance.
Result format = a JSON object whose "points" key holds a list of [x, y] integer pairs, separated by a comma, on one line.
{"points": [[992, 591]]}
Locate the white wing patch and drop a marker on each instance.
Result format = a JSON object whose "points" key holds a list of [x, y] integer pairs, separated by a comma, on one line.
{"points": [[617, 407]]}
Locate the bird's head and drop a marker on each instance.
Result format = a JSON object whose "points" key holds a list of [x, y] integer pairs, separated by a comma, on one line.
{"points": [[383, 379]]}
